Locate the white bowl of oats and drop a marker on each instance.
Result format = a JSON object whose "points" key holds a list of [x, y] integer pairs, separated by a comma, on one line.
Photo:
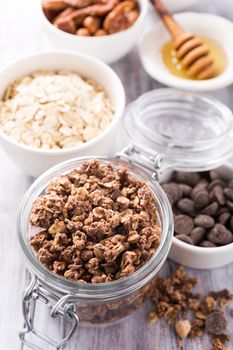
{"points": [[58, 105]]}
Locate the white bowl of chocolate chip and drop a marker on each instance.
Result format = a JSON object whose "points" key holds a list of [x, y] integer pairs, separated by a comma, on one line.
{"points": [[203, 217], [107, 30]]}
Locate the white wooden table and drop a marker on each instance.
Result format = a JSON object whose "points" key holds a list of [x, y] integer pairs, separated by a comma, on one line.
{"points": [[20, 34]]}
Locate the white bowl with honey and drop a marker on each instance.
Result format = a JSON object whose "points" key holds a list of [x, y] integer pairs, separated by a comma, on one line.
{"points": [[160, 60]]}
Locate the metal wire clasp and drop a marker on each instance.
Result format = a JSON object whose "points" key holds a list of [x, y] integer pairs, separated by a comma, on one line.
{"points": [[62, 307], [143, 159]]}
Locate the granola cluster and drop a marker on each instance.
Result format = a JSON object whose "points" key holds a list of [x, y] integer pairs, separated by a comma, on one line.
{"points": [[99, 224], [191, 314]]}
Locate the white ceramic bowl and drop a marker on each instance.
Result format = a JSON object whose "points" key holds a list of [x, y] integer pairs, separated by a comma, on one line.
{"points": [[204, 258], [108, 48], [203, 24], [34, 161]]}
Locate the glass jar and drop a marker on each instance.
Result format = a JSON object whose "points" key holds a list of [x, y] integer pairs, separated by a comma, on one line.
{"points": [[168, 129], [100, 303]]}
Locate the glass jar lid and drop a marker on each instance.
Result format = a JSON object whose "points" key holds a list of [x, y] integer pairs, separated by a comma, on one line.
{"points": [[188, 131]]}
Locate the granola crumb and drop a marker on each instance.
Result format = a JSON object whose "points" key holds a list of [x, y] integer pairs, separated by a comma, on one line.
{"points": [[153, 317]]}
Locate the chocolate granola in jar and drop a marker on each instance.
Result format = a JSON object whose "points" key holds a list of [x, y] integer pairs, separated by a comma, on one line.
{"points": [[95, 232]]}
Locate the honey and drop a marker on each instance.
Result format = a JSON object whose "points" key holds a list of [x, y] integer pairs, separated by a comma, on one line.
{"points": [[175, 68]]}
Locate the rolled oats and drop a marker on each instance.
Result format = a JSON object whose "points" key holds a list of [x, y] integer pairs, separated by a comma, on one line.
{"points": [[94, 229], [54, 110]]}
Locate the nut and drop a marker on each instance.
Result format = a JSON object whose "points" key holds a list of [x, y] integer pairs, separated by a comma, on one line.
{"points": [[55, 5], [121, 17], [92, 24], [100, 32], [100, 17], [183, 328], [83, 32]]}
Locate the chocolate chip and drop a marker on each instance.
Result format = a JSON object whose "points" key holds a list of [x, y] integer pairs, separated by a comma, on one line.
{"points": [[185, 238], [173, 191], [222, 210], [187, 178], [228, 193], [230, 205], [197, 235], [183, 224], [224, 217], [206, 198], [201, 199], [218, 195], [230, 184], [202, 185], [186, 205], [204, 221], [219, 234], [231, 223], [211, 209], [213, 175], [207, 244], [216, 323], [186, 189], [215, 183]]}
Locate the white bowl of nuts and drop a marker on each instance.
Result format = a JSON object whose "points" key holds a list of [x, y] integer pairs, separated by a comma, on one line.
{"points": [[58, 105], [107, 30]]}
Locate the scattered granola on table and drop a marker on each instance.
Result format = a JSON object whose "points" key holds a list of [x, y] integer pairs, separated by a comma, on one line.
{"points": [[54, 110], [99, 224], [191, 314]]}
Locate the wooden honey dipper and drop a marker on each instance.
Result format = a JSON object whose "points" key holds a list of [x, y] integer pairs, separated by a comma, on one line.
{"points": [[192, 53]]}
